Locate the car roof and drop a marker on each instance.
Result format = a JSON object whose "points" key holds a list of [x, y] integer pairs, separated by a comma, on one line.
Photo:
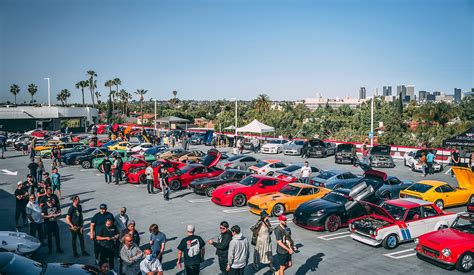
{"points": [[238, 171], [408, 202], [335, 171], [271, 160], [434, 183], [302, 185]]}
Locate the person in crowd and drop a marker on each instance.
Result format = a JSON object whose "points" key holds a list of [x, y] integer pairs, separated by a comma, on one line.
{"points": [[97, 222], [149, 179], [222, 245], [104, 269], [21, 200], [49, 195], [150, 265], [304, 149], [33, 167], [365, 153], [455, 159], [107, 168], [305, 173], [39, 174], [107, 237], [50, 213], [164, 177], [173, 141], [56, 156], [285, 246], [157, 242], [185, 143], [192, 249], [41, 192], [118, 163], [56, 181], [239, 252], [132, 231], [429, 162], [32, 148], [47, 179], [261, 238], [33, 213], [30, 185], [131, 255], [75, 220], [423, 164], [3, 146], [121, 219]]}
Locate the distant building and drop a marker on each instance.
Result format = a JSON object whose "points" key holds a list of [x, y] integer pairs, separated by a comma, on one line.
{"points": [[457, 95], [430, 97], [410, 92], [437, 93], [387, 90], [319, 101], [401, 91], [362, 93], [422, 95]]}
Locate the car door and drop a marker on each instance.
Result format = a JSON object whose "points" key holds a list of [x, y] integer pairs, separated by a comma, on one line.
{"points": [[449, 195], [303, 196], [246, 162], [415, 224], [430, 217], [267, 186]]}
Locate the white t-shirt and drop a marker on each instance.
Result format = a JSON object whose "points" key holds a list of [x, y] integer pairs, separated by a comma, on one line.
{"points": [[305, 171], [33, 209], [149, 266], [149, 173]]}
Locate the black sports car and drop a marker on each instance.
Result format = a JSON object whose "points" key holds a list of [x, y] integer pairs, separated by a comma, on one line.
{"points": [[319, 148], [333, 210], [71, 158], [86, 160], [208, 185]]}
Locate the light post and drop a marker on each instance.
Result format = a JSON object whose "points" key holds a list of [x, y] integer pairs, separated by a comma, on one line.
{"points": [[235, 115], [372, 121], [49, 91], [155, 118]]}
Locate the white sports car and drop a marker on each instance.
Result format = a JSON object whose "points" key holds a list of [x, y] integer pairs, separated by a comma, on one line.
{"points": [[412, 160], [273, 146], [18, 242], [141, 148]]}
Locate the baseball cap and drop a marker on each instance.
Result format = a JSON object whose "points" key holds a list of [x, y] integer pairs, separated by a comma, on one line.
{"points": [[103, 206], [19, 183], [282, 218], [190, 228]]}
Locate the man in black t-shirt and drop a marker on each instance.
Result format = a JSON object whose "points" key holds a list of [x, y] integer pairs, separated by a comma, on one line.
{"points": [[49, 195], [46, 179], [285, 247], [21, 200], [107, 237], [193, 249], [33, 167], [107, 168], [97, 222], [75, 220], [29, 185], [50, 213]]}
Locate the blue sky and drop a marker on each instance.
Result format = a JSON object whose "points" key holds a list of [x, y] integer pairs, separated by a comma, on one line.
{"points": [[214, 49]]}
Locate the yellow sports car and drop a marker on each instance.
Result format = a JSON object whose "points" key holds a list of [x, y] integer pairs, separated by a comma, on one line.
{"points": [[286, 200], [443, 194], [49, 145], [123, 145]]}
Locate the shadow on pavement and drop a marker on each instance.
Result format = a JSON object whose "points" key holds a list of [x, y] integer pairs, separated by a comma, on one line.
{"points": [[311, 264]]}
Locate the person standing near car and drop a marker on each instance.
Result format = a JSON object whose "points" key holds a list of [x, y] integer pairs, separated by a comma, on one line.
{"points": [[429, 162], [239, 252], [305, 173], [261, 239], [50, 213], [97, 222], [33, 212], [75, 220], [164, 175], [222, 246], [117, 169], [21, 200], [107, 238], [304, 149], [149, 179], [285, 246], [107, 168], [192, 246], [455, 160], [40, 170]]}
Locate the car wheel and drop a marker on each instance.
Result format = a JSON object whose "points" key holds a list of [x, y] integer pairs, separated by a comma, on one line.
{"points": [[465, 263], [75, 162], [239, 200], [86, 164], [278, 209], [209, 191], [390, 242], [142, 179], [413, 167], [175, 185], [440, 204], [101, 169], [332, 223]]}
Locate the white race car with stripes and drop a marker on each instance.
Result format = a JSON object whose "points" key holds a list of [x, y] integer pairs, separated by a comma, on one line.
{"points": [[396, 221]]}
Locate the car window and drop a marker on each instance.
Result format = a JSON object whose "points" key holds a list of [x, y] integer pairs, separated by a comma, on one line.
{"points": [[197, 170], [314, 169], [272, 165], [239, 176], [307, 191], [438, 190], [268, 182], [413, 214], [446, 188], [349, 176], [394, 181], [341, 176], [279, 165], [429, 211]]}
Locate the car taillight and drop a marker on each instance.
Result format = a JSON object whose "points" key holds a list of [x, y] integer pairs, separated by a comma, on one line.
{"points": [[263, 171]]}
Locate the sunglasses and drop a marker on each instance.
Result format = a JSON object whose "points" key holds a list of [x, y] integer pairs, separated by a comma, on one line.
{"points": [[223, 227]]}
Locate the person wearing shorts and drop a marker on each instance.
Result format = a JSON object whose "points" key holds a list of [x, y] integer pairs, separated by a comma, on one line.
{"points": [[56, 182], [284, 245]]}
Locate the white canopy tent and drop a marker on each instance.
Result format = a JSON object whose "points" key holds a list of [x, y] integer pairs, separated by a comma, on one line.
{"points": [[231, 127], [256, 127]]}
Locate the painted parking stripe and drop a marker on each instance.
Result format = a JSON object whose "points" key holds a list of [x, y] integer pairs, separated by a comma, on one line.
{"points": [[396, 255], [234, 210], [335, 236], [199, 200]]}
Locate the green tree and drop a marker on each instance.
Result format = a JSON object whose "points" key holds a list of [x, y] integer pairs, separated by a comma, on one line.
{"points": [[82, 85], [109, 84], [14, 89], [466, 109], [141, 93], [92, 84], [32, 89], [63, 95], [262, 104]]}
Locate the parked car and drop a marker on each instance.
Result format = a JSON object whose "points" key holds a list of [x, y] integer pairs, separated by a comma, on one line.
{"points": [[208, 185], [191, 156], [412, 160], [320, 148], [267, 167], [345, 153], [141, 148], [11, 264], [134, 161], [73, 157], [273, 146], [335, 178], [136, 175], [251, 143], [48, 145], [171, 153], [286, 200], [379, 156], [122, 145], [18, 242], [397, 221], [293, 148], [238, 193], [291, 173], [451, 247], [67, 148], [155, 150], [242, 162], [86, 160], [197, 139], [124, 155]]}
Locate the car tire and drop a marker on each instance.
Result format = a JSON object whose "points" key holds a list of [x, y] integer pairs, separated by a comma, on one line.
{"points": [[142, 179], [413, 167], [175, 185], [86, 164], [100, 169], [239, 200], [440, 204], [390, 242], [465, 262], [471, 199], [332, 223], [209, 191], [278, 209]]}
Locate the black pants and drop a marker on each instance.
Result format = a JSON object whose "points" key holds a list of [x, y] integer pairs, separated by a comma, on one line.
{"points": [[108, 176], [107, 255], [117, 175], [237, 271], [222, 263], [430, 168], [192, 269], [37, 227], [77, 235], [53, 229], [20, 211], [149, 186], [96, 249]]}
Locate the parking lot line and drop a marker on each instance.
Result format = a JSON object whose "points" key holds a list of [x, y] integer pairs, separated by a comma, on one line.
{"points": [[335, 236], [394, 255], [234, 210], [199, 200]]}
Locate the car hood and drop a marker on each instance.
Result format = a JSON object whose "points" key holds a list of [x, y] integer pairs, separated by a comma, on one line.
{"points": [[264, 198], [271, 145], [71, 269], [448, 237], [315, 205], [231, 186], [377, 210], [292, 146], [464, 176], [382, 157], [212, 158]]}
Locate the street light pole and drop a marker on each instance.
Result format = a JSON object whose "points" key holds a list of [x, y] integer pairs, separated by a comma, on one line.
{"points": [[154, 123], [49, 91], [235, 115], [372, 122]]}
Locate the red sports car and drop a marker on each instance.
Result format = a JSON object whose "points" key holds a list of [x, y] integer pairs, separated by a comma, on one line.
{"points": [[450, 247], [238, 193], [137, 174], [135, 162]]}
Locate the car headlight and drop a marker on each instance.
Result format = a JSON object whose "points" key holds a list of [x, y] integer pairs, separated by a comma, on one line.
{"points": [[228, 192], [446, 252], [318, 213], [417, 241]]}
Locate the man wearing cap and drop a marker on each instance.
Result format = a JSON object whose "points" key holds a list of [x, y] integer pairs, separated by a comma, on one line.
{"points": [[97, 222], [21, 200], [238, 257], [222, 245], [50, 213], [75, 220], [33, 212], [284, 245], [193, 249]]}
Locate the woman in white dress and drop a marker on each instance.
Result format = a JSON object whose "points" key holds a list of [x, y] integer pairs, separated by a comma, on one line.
{"points": [[261, 238]]}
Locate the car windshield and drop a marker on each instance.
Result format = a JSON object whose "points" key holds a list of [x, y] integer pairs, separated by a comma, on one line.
{"points": [[464, 223], [290, 190], [235, 158], [89, 150], [226, 175], [26, 265], [260, 164], [249, 181], [419, 187], [335, 197], [344, 147], [291, 168], [380, 150], [316, 142], [326, 175], [396, 212]]}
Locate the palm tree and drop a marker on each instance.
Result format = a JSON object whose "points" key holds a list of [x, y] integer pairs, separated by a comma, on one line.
{"points": [[15, 89], [141, 93], [92, 84], [81, 85], [175, 93], [97, 95], [262, 103], [124, 96], [117, 83], [109, 84], [63, 95], [32, 89]]}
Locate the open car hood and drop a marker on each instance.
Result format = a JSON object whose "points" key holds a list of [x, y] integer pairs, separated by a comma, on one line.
{"points": [[212, 158], [383, 150], [464, 176], [377, 210]]}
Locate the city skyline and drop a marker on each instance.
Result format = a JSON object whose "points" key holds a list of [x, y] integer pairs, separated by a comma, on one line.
{"points": [[218, 50]]}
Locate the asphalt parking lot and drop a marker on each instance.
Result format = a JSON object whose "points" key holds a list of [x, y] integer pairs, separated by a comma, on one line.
{"points": [[320, 252]]}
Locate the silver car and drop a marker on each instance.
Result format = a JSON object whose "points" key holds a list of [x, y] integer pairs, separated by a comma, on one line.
{"points": [[293, 148], [242, 162]]}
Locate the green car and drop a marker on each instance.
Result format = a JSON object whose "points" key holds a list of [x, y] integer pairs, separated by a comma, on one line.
{"points": [[122, 153], [68, 147]]}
